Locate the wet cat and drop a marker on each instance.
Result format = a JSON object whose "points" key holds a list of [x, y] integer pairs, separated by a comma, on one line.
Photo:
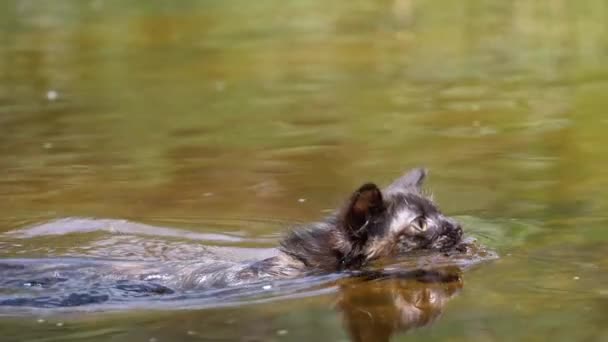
{"points": [[372, 224]]}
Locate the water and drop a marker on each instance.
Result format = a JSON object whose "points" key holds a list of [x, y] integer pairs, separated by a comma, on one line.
{"points": [[226, 122]]}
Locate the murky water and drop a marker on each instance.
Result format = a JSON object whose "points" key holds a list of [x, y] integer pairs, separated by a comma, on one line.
{"points": [[219, 124]]}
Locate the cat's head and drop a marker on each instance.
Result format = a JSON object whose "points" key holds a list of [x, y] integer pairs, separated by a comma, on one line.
{"points": [[398, 219]]}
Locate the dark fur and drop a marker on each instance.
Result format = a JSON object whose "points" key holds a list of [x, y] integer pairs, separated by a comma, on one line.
{"points": [[371, 225]]}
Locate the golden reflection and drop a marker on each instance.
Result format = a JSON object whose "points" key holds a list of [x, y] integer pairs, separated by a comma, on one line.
{"points": [[381, 306]]}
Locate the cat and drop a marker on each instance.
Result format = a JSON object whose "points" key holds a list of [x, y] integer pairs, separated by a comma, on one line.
{"points": [[372, 224]]}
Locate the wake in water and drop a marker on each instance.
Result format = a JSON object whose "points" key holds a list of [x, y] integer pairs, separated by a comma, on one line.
{"points": [[116, 262], [192, 276]]}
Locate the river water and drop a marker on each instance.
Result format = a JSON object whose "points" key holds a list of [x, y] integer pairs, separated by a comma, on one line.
{"points": [[193, 126]]}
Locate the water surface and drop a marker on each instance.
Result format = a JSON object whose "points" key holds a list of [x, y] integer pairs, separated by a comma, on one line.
{"points": [[225, 122]]}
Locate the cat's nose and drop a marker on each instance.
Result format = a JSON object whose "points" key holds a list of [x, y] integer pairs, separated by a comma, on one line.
{"points": [[454, 227]]}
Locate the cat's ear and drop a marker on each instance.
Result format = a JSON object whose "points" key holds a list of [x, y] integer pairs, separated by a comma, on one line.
{"points": [[412, 180], [363, 204]]}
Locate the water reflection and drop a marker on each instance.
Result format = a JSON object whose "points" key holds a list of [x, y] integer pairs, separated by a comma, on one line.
{"points": [[382, 306]]}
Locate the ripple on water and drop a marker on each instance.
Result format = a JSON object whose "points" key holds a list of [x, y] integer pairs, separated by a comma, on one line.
{"points": [[74, 225], [129, 268]]}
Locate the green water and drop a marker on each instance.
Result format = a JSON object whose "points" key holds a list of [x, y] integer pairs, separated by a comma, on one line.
{"points": [[238, 117]]}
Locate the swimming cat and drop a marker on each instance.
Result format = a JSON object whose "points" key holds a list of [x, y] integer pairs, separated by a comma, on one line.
{"points": [[372, 224]]}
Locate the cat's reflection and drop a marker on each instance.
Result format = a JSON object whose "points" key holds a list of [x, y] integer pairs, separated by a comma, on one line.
{"points": [[378, 306]]}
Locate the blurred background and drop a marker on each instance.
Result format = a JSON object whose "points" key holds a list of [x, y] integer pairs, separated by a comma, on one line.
{"points": [[241, 117]]}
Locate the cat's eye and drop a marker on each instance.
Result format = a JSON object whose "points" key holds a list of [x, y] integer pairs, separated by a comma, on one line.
{"points": [[419, 224]]}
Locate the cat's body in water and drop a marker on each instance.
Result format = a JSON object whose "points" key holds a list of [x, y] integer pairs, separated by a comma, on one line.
{"points": [[373, 224]]}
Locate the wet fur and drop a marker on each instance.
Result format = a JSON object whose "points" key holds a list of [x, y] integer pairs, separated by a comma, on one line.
{"points": [[372, 224]]}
